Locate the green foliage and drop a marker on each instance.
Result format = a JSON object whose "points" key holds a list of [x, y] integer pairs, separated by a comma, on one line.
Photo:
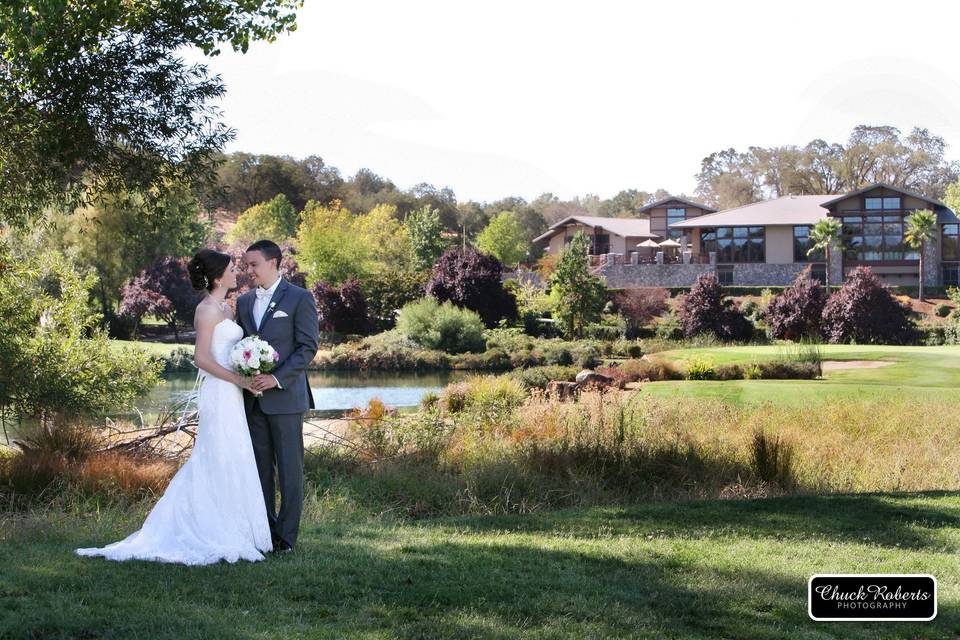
{"points": [[115, 238], [55, 364], [386, 293], [443, 326], [700, 369], [424, 228], [538, 377], [274, 220], [954, 294], [941, 310], [335, 245], [824, 235], [577, 296], [96, 97], [504, 238]]}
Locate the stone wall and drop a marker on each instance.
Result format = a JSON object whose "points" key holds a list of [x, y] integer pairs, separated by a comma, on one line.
{"points": [[683, 275], [652, 275]]}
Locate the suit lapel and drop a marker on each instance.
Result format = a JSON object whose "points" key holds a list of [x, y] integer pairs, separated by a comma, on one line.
{"points": [[248, 310], [273, 304]]}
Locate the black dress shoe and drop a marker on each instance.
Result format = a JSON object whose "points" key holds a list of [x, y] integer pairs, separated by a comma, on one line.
{"points": [[281, 547]]}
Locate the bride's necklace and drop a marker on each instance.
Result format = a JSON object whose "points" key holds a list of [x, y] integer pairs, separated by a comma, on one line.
{"points": [[223, 305]]}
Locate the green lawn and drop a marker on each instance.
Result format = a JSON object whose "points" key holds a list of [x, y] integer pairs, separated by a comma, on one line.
{"points": [[696, 569], [917, 371]]}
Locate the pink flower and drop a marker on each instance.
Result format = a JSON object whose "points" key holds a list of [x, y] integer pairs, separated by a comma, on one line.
{"points": [[276, 356], [246, 354]]}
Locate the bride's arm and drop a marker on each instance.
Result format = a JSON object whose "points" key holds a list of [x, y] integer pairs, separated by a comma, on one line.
{"points": [[205, 320]]}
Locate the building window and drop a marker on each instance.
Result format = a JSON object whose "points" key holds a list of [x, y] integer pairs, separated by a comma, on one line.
{"points": [[675, 214], [600, 244], [725, 275], [950, 242], [802, 244], [734, 244], [875, 238], [951, 275], [872, 204]]}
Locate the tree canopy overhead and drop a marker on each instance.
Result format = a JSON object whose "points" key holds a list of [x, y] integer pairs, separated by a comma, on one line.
{"points": [[94, 96]]}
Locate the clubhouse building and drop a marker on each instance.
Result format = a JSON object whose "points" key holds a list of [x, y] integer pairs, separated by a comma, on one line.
{"points": [[765, 243]]}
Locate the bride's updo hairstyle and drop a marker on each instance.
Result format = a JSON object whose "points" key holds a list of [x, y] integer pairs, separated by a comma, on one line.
{"points": [[205, 266]]}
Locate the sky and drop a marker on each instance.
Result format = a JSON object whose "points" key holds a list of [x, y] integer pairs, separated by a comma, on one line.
{"points": [[519, 98]]}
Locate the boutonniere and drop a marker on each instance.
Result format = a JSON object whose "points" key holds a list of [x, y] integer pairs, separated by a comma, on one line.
{"points": [[272, 305]]}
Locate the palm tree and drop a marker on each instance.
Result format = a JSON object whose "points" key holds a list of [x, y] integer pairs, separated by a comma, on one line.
{"points": [[822, 237], [921, 226]]}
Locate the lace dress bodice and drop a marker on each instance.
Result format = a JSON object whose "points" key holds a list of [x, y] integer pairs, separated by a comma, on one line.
{"points": [[225, 335]]}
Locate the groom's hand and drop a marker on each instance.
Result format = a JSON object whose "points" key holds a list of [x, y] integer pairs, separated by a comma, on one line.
{"points": [[263, 382]]}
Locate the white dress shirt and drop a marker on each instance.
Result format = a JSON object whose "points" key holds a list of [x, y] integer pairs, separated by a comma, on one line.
{"points": [[260, 307]]}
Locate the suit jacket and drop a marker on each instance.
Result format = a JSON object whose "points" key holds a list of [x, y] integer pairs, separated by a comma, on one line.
{"points": [[295, 336]]}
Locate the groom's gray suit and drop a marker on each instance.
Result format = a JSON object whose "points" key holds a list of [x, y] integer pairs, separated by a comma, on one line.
{"points": [[275, 419]]}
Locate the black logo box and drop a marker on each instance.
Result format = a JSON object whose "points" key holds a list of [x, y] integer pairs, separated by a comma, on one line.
{"points": [[877, 597]]}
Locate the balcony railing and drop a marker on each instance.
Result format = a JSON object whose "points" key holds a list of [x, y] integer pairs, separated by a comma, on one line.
{"points": [[620, 259]]}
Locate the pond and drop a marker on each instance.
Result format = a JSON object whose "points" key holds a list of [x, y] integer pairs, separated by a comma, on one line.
{"points": [[333, 391]]}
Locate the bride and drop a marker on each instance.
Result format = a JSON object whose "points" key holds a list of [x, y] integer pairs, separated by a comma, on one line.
{"points": [[213, 508]]}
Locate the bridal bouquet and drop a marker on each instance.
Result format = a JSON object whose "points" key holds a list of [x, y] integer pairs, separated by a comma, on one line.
{"points": [[252, 356]]}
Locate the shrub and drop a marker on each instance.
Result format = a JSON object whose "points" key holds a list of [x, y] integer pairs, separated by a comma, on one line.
{"points": [[649, 369], [538, 377], [640, 305], [797, 311], [603, 332], [342, 309], [484, 393], [700, 369], [472, 280], [442, 326], [704, 311], [669, 328], [941, 310], [864, 311], [179, 360], [954, 294], [788, 370], [386, 293], [733, 326], [728, 372], [752, 371]]}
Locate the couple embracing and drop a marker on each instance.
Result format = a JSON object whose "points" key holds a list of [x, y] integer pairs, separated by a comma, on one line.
{"points": [[220, 505]]}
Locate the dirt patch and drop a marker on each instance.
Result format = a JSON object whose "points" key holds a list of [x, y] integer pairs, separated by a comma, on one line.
{"points": [[839, 365]]}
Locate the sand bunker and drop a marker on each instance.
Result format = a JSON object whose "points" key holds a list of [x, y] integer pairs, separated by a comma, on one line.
{"points": [[838, 365]]}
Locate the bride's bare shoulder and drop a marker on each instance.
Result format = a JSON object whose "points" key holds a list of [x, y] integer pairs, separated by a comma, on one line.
{"points": [[204, 315]]}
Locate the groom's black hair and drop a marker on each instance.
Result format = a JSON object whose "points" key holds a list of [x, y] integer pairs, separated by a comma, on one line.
{"points": [[269, 249]]}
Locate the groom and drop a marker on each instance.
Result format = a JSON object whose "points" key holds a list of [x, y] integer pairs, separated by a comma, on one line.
{"points": [[284, 315]]}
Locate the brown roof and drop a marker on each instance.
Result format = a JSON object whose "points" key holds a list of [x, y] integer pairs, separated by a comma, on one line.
{"points": [[632, 227], [663, 201], [877, 185], [785, 210]]}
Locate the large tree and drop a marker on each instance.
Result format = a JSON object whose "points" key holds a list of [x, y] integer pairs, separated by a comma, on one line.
{"points": [[95, 97], [915, 161]]}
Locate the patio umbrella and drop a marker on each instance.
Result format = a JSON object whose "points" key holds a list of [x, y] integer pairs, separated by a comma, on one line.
{"points": [[669, 243], [648, 243]]}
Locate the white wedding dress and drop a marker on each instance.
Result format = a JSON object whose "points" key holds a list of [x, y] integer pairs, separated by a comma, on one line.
{"points": [[213, 508]]}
